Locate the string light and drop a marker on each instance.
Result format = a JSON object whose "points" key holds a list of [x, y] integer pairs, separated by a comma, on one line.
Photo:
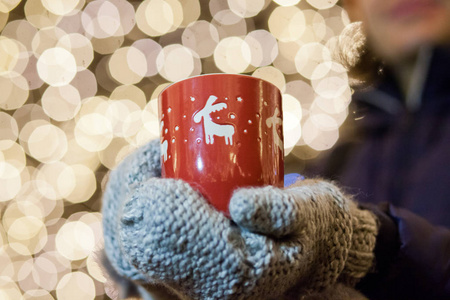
{"points": [[80, 81]]}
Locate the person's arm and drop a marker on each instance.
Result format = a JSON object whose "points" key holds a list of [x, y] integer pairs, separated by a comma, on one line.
{"points": [[412, 257]]}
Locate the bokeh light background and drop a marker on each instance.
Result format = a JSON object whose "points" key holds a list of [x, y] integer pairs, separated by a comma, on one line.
{"points": [[78, 86]]}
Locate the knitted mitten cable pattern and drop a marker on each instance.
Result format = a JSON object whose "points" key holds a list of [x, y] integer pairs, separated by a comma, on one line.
{"points": [[337, 238], [280, 243], [294, 241]]}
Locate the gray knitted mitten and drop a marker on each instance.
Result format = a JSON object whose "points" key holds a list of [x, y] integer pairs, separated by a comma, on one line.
{"points": [[135, 169], [280, 244]]}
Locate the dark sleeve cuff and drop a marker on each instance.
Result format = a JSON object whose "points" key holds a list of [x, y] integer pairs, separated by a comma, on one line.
{"points": [[412, 257], [388, 240], [386, 251]]}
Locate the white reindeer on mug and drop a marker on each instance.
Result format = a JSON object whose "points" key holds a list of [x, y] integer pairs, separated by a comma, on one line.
{"points": [[211, 128]]}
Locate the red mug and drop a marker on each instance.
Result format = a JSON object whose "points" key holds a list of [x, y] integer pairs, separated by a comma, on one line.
{"points": [[220, 132]]}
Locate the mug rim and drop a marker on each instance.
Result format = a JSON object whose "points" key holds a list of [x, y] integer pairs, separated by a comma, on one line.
{"points": [[220, 74]]}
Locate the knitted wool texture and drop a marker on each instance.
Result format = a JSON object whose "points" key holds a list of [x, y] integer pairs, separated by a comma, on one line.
{"points": [[135, 169], [280, 244]]}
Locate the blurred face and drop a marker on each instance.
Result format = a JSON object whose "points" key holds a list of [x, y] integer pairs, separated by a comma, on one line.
{"points": [[397, 28]]}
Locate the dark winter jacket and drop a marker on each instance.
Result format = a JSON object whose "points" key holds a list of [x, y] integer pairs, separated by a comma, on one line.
{"points": [[395, 159]]}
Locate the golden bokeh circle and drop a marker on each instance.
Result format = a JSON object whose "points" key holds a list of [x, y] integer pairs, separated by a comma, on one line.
{"points": [[57, 66], [74, 286], [61, 103], [60, 7], [15, 91], [128, 65], [75, 240], [93, 132], [9, 289], [176, 62], [158, 17], [287, 24], [232, 55]]}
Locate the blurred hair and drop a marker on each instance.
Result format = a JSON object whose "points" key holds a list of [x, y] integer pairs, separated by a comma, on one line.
{"points": [[353, 51]]}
